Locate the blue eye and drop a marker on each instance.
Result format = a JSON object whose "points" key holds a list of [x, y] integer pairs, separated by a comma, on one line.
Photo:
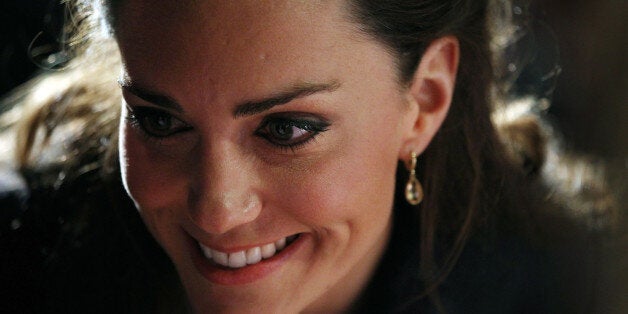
{"points": [[155, 123], [291, 132]]}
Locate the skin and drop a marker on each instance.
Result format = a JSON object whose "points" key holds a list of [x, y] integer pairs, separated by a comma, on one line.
{"points": [[218, 182]]}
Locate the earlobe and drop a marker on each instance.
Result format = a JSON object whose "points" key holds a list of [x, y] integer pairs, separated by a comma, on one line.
{"points": [[431, 90]]}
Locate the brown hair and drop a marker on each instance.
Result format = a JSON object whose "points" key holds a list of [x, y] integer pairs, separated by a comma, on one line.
{"points": [[464, 162], [469, 177]]}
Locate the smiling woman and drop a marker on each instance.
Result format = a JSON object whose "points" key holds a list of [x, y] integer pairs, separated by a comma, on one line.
{"points": [[291, 156], [246, 138]]}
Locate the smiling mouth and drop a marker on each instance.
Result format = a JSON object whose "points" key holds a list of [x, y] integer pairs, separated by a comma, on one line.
{"points": [[247, 257]]}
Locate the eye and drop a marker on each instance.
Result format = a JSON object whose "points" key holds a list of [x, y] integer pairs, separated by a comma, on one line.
{"points": [[291, 132], [155, 123]]}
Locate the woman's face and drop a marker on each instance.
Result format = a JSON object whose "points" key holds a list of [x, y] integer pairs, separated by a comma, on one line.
{"points": [[247, 125]]}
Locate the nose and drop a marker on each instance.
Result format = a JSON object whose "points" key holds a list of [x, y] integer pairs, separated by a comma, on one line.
{"points": [[222, 195]]}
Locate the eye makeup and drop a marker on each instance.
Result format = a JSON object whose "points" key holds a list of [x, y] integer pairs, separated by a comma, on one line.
{"points": [[291, 130], [282, 130]]}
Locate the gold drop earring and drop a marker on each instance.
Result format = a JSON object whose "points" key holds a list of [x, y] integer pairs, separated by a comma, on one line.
{"points": [[414, 191]]}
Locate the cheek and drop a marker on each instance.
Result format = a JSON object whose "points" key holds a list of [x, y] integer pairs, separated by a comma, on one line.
{"points": [[352, 185], [154, 181]]}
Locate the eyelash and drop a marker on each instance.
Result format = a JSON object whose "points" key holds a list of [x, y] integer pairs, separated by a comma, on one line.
{"points": [[308, 124], [140, 117]]}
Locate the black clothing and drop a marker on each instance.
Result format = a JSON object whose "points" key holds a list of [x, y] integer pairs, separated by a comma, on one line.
{"points": [[85, 254]]}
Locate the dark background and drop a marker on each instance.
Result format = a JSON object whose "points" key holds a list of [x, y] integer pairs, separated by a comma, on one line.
{"points": [[591, 98], [589, 104]]}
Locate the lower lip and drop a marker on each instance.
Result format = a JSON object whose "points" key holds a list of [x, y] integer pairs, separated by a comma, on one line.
{"points": [[244, 275]]}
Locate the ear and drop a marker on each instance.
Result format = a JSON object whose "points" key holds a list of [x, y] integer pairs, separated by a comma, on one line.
{"points": [[429, 94]]}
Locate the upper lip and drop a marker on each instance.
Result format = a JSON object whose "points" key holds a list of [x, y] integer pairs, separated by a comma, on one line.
{"points": [[232, 244], [229, 246]]}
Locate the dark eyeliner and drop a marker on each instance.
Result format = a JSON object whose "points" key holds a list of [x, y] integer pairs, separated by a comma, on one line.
{"points": [[138, 117], [309, 123]]}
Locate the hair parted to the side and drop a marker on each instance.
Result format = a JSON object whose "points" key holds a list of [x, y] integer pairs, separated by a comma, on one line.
{"points": [[468, 175]]}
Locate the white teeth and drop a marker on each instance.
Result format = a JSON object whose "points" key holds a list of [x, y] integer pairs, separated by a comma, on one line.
{"points": [[280, 244], [246, 257], [207, 252], [220, 257], [268, 250], [237, 259], [253, 255]]}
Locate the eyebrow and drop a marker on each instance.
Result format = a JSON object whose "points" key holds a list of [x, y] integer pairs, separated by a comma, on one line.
{"points": [[151, 97], [245, 109], [296, 91]]}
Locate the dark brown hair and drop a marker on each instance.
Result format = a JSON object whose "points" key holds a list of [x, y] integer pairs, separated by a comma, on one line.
{"points": [[474, 183], [467, 173], [464, 161]]}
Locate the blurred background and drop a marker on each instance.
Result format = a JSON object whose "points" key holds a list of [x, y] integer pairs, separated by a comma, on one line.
{"points": [[590, 103]]}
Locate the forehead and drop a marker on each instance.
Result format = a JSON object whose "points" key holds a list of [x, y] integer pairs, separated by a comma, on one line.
{"points": [[229, 42], [219, 15]]}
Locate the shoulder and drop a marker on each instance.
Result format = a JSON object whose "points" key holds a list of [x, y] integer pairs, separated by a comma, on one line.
{"points": [[514, 275], [512, 270], [555, 264]]}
